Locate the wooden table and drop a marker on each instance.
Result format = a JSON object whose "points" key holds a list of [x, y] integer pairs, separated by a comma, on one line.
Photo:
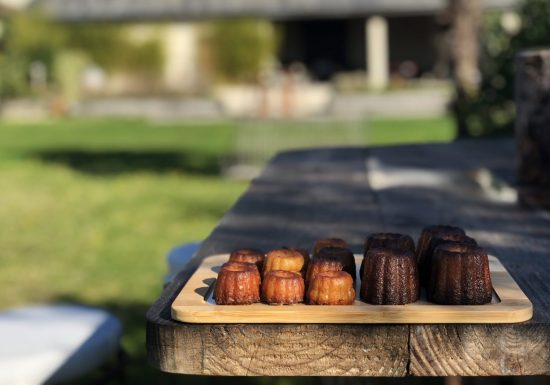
{"points": [[348, 193]]}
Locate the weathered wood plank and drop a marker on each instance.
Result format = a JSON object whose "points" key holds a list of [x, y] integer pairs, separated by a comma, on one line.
{"points": [[479, 350], [314, 350], [309, 194]]}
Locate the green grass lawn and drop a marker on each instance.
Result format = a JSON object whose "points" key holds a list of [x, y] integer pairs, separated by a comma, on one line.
{"points": [[88, 209]]}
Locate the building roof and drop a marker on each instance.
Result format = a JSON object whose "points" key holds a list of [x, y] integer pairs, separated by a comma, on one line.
{"points": [[144, 10]]}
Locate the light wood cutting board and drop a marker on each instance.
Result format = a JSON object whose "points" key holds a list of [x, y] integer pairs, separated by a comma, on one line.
{"points": [[195, 304]]}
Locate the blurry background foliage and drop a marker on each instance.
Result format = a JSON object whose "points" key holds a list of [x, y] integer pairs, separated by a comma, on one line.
{"points": [[31, 37], [491, 111], [240, 49], [237, 51]]}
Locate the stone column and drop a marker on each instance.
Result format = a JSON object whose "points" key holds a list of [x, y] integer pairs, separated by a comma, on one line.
{"points": [[376, 29], [533, 124], [181, 56]]}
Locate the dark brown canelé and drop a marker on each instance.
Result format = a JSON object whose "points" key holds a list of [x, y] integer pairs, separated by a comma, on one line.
{"points": [[248, 255], [328, 242], [386, 241], [425, 264], [390, 277], [460, 275], [344, 255], [283, 287], [431, 231], [238, 283], [331, 288], [320, 265], [283, 259]]}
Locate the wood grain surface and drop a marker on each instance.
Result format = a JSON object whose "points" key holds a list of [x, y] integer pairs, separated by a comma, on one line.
{"points": [[348, 193]]}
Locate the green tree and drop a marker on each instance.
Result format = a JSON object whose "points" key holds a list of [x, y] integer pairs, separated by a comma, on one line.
{"points": [[491, 111], [29, 37], [33, 37], [240, 48], [109, 46]]}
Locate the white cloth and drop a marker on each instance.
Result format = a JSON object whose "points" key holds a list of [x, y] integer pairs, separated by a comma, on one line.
{"points": [[54, 343], [178, 257]]}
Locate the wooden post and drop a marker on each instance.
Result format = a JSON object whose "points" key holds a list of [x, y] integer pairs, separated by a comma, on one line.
{"points": [[533, 125]]}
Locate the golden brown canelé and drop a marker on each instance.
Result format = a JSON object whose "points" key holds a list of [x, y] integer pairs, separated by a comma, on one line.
{"points": [[248, 255], [331, 288], [429, 232], [283, 259], [320, 265], [328, 242], [425, 264], [460, 275], [238, 283], [390, 277], [344, 255], [386, 241], [304, 253], [283, 287]]}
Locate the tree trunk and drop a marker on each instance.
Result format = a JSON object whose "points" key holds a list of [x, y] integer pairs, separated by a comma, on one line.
{"points": [[533, 125], [465, 24]]}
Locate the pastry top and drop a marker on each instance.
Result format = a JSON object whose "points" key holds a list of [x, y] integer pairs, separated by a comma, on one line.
{"points": [[429, 232], [318, 265], [441, 239], [341, 254], [460, 248], [385, 240], [283, 259], [425, 261], [328, 242], [304, 253], [282, 274], [248, 255], [238, 266], [389, 240]]}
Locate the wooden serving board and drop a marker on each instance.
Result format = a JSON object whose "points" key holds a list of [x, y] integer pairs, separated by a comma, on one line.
{"points": [[195, 304]]}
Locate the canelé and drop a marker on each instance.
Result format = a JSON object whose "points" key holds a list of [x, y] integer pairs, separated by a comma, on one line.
{"points": [[425, 264], [460, 275], [283, 259], [390, 277], [431, 231], [283, 287], [320, 265], [341, 254], [238, 283], [386, 241], [248, 255], [331, 288]]}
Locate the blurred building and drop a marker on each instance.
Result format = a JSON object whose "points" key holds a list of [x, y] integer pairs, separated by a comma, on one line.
{"points": [[379, 37]]}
